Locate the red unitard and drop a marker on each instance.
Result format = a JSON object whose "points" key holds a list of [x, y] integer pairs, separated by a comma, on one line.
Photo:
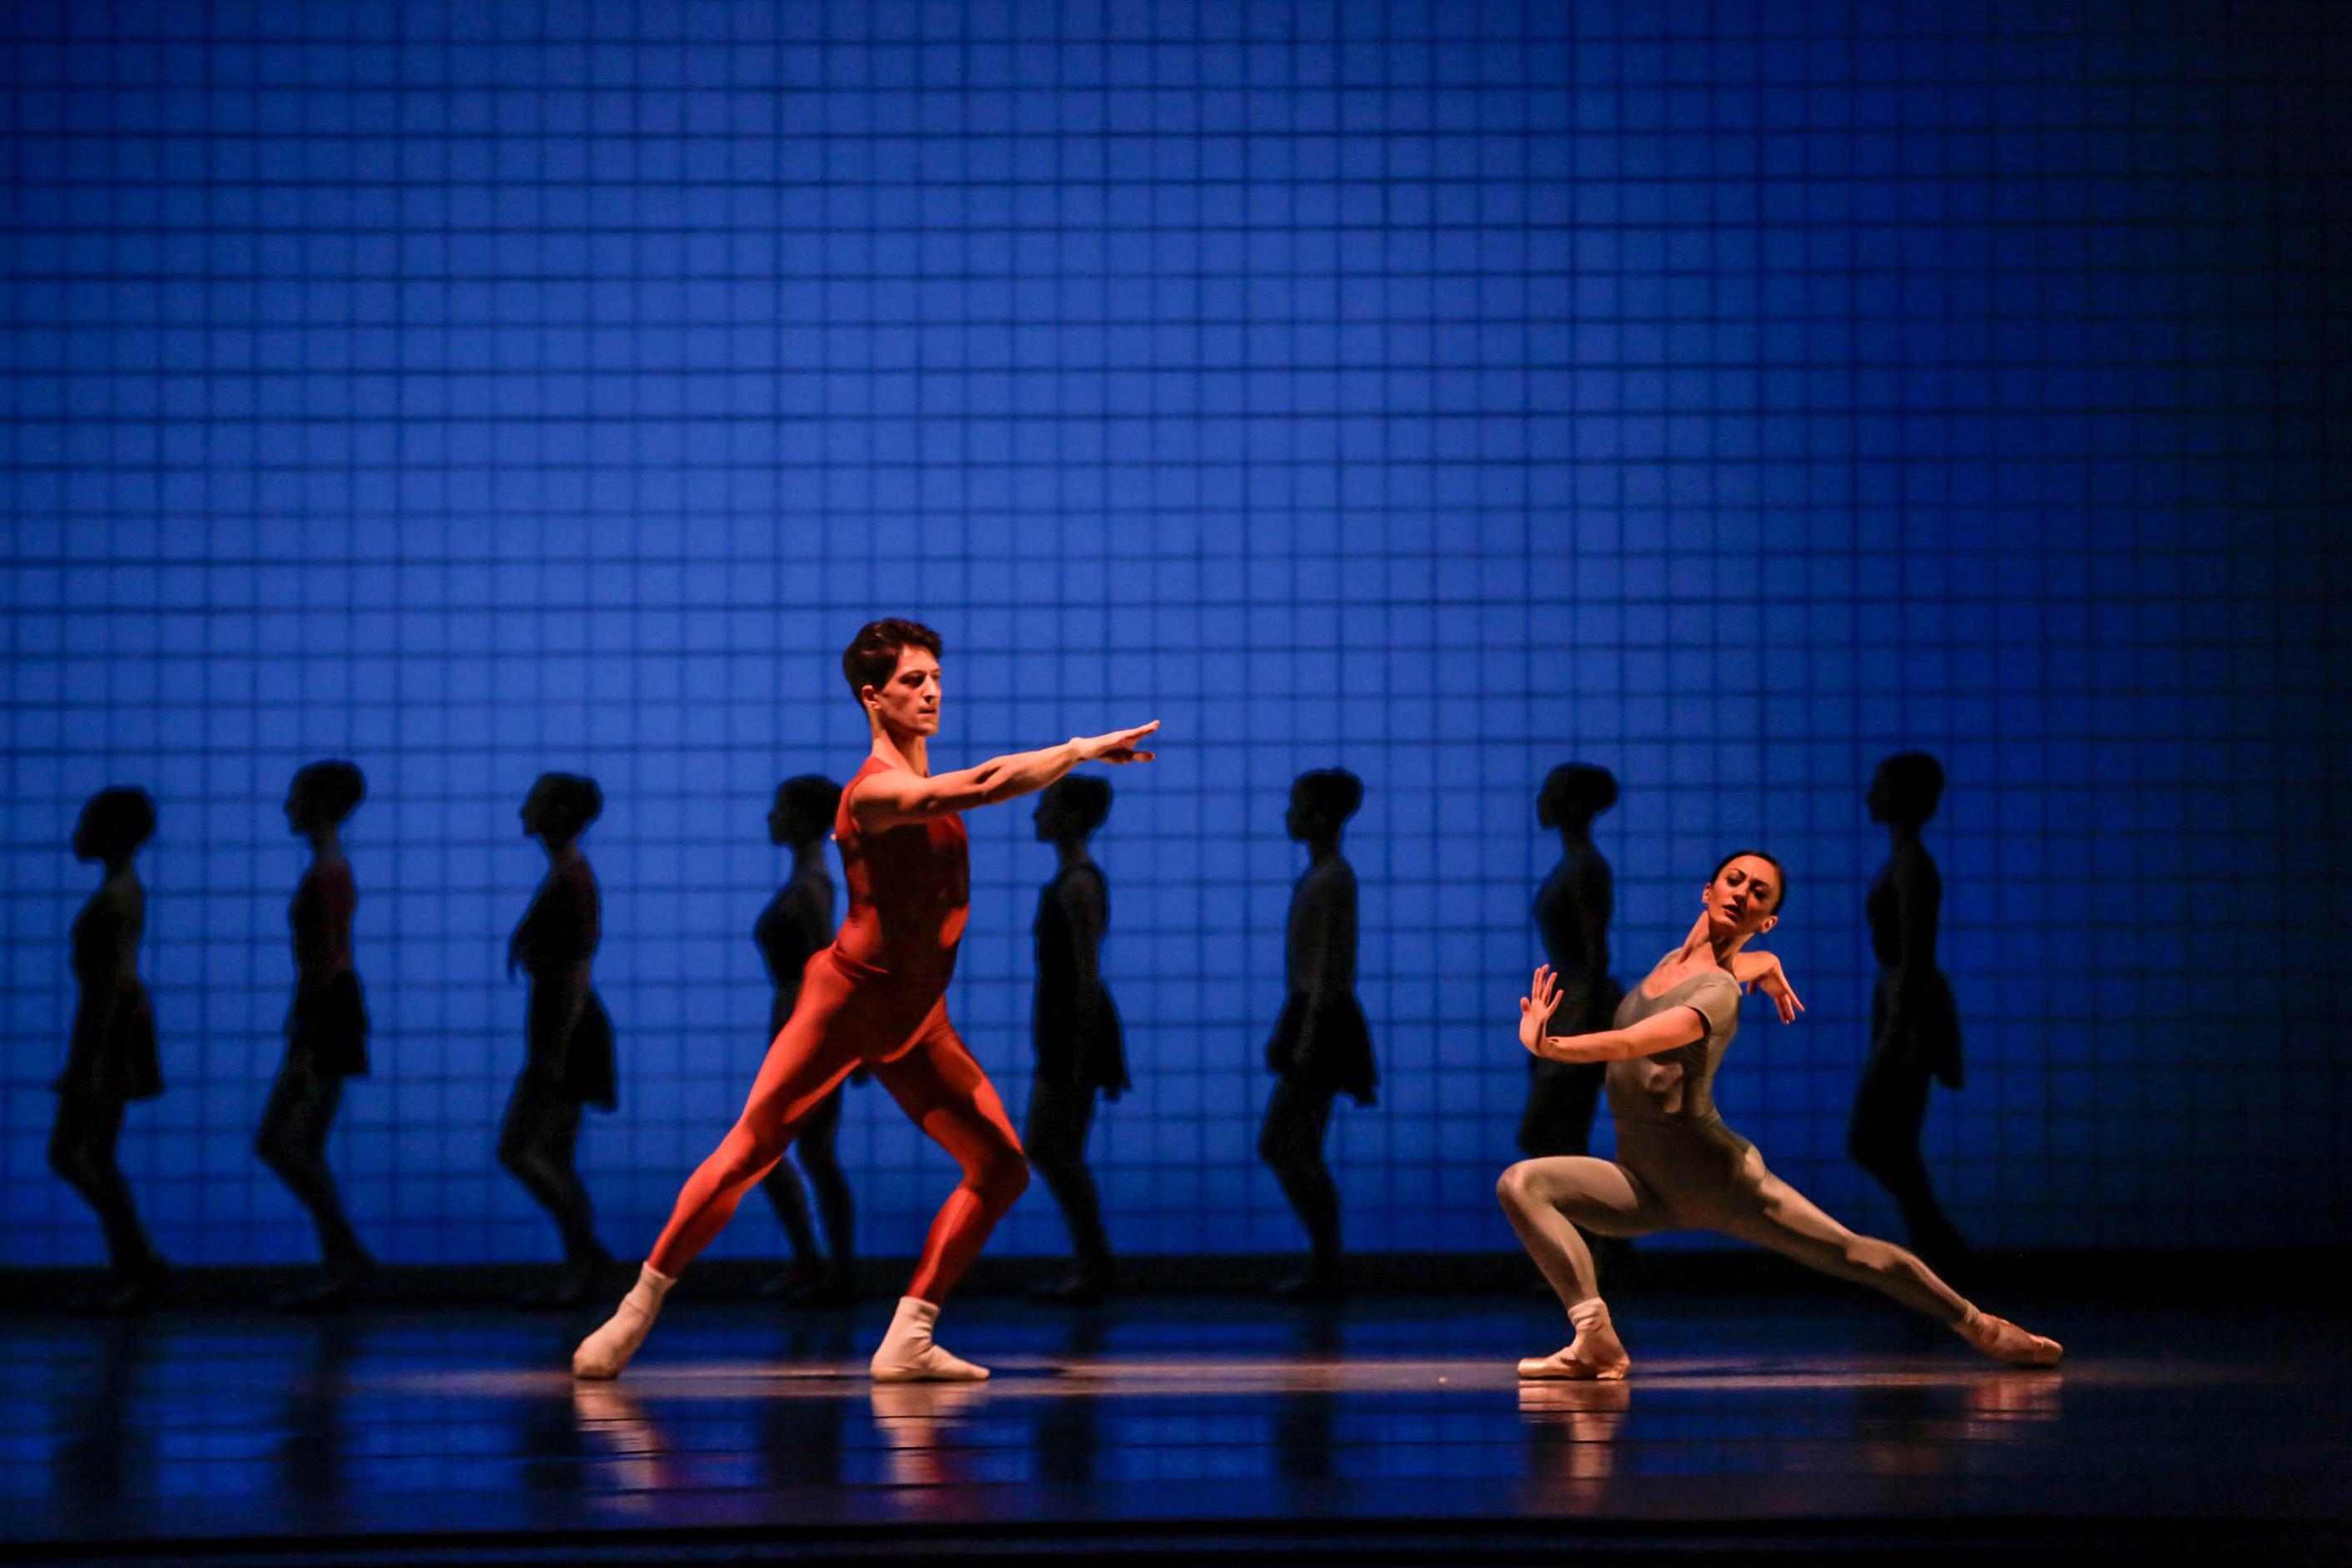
{"points": [[876, 997]]}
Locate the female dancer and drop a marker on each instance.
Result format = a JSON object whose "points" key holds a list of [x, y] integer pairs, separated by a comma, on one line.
{"points": [[1321, 1047], [1914, 1029], [1572, 910], [877, 996], [325, 1031], [571, 1060], [1678, 1167], [111, 1060], [794, 927], [1074, 1029]]}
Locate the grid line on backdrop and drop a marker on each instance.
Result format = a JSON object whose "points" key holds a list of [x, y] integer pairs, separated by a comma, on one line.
{"points": [[1729, 395]]}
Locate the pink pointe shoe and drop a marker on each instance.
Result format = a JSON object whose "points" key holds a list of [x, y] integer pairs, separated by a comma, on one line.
{"points": [[2005, 1341], [1595, 1355]]}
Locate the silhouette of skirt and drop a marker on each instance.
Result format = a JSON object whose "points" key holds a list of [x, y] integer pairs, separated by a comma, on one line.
{"points": [[571, 1045], [1929, 1040], [329, 1026], [112, 1059], [1079, 1041], [1327, 1048]]}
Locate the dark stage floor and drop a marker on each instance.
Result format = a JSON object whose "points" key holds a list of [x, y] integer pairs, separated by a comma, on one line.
{"points": [[1387, 1430]]}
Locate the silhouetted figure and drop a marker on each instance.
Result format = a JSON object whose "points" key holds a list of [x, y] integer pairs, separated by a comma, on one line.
{"points": [[1572, 910], [326, 1029], [1914, 1028], [1321, 1046], [112, 1061], [571, 1060], [795, 927], [1074, 1030]]}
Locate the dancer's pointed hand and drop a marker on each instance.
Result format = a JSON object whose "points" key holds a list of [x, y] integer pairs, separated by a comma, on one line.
{"points": [[1119, 746], [1773, 980], [1537, 1008]]}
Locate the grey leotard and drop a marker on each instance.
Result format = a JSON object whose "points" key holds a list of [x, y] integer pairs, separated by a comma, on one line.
{"points": [[1669, 1136], [1676, 1088], [1678, 1167]]}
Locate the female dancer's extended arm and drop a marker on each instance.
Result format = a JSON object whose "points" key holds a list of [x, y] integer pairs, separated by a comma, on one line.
{"points": [[1659, 1032], [897, 797]]}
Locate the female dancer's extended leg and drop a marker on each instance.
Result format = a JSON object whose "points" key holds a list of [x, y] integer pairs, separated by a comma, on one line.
{"points": [[1762, 1209]]}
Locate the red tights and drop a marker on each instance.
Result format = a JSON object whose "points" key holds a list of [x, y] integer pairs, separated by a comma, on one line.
{"points": [[901, 1034]]}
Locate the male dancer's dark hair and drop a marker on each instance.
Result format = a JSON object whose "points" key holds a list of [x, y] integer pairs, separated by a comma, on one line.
{"points": [[874, 652]]}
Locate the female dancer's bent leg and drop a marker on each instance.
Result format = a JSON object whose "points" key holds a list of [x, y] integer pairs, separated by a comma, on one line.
{"points": [[1545, 1200], [292, 1141], [1060, 1116]]}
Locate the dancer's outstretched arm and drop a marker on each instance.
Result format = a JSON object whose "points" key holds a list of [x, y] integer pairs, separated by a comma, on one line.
{"points": [[897, 797], [1659, 1032]]}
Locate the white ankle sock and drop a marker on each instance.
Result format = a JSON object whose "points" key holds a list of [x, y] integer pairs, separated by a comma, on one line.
{"points": [[908, 1354], [603, 1354]]}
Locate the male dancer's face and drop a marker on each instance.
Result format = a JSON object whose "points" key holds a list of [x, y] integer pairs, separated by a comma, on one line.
{"points": [[1743, 896], [909, 703]]}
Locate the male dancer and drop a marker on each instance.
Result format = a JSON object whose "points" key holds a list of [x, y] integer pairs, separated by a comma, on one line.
{"points": [[877, 996]]}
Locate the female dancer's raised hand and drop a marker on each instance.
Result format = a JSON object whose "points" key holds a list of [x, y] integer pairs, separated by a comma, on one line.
{"points": [[1119, 746], [1537, 1008], [1773, 980]]}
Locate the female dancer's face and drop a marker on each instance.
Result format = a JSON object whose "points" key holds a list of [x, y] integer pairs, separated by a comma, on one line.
{"points": [[909, 703], [1742, 899]]}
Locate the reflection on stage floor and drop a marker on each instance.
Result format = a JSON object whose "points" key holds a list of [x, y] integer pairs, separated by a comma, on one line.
{"points": [[1788, 1419]]}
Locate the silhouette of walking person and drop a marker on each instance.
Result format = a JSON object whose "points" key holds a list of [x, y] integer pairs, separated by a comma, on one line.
{"points": [[795, 927], [325, 1030], [1321, 1046], [1073, 1029], [1572, 910], [1914, 1026], [112, 1061], [570, 1063]]}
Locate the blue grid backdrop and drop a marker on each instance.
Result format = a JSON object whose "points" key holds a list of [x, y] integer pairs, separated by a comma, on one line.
{"points": [[1729, 393]]}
